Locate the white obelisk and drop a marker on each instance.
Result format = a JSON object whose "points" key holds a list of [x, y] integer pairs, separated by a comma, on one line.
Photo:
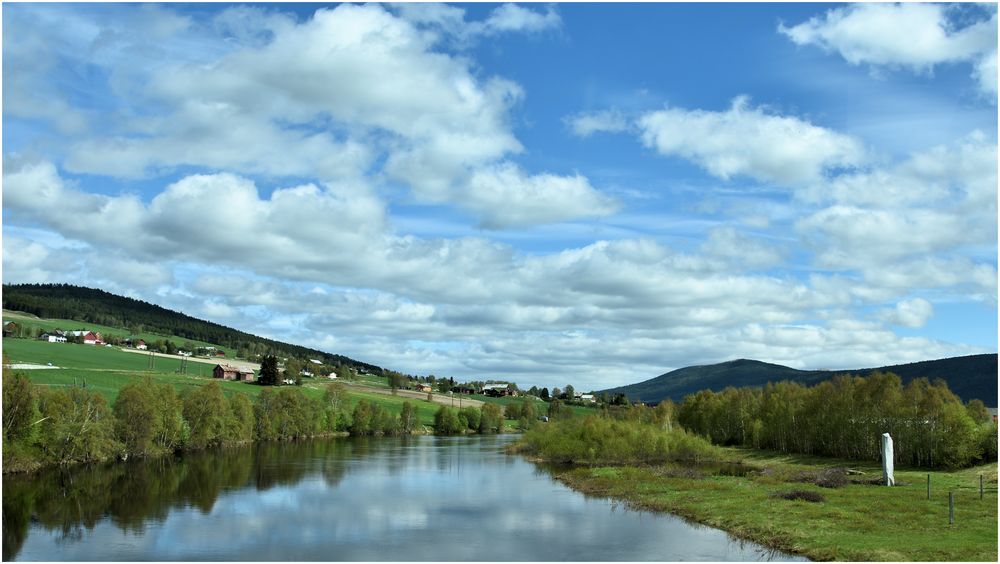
{"points": [[887, 460]]}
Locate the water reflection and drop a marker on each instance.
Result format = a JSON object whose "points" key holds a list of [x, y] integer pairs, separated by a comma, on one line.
{"points": [[414, 498]]}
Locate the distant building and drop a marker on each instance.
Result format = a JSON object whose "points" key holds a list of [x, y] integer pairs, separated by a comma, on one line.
{"points": [[89, 337], [587, 397], [993, 413], [141, 345], [314, 361], [229, 372], [10, 329], [52, 338], [220, 353], [498, 390]]}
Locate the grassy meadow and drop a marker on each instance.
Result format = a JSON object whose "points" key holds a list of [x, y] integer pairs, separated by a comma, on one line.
{"points": [[31, 322], [855, 521], [107, 369]]}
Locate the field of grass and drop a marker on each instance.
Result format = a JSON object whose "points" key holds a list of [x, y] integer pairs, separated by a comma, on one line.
{"points": [[540, 405], [106, 370], [30, 321], [854, 522]]}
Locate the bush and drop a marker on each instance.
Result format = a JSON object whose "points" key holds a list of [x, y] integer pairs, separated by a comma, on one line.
{"points": [[813, 497], [601, 440], [446, 422], [77, 426], [490, 418]]}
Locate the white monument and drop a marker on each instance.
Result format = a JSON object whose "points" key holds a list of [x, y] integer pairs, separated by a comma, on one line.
{"points": [[887, 460]]}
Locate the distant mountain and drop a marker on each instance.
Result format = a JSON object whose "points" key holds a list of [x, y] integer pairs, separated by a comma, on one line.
{"points": [[969, 377], [65, 301]]}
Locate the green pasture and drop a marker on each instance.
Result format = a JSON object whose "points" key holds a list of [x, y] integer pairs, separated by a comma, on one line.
{"points": [[30, 321], [860, 522]]}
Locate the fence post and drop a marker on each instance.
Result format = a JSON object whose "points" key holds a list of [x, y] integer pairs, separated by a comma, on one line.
{"points": [[928, 487], [951, 508]]}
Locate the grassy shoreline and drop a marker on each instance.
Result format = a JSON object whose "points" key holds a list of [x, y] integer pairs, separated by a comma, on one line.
{"points": [[857, 521]]}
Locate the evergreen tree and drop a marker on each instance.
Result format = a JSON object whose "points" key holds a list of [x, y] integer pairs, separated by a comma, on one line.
{"points": [[269, 371]]}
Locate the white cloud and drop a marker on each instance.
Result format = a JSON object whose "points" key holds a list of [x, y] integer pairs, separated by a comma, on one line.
{"points": [[586, 124], [511, 17], [909, 313], [748, 141], [351, 89], [917, 36], [505, 196]]}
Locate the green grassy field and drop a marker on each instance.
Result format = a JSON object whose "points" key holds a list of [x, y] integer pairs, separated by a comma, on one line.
{"points": [[855, 522], [32, 322], [106, 370]]}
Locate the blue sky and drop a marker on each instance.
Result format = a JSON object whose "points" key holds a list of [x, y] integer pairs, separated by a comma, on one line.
{"points": [[569, 193]]}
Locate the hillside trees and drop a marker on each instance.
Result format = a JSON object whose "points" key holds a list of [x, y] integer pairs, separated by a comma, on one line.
{"points": [[844, 417]]}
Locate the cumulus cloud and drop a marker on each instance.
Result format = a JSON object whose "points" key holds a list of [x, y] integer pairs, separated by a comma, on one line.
{"points": [[505, 196], [749, 141], [910, 313], [916, 36], [352, 92]]}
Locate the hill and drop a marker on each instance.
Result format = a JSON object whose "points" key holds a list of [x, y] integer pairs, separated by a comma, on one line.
{"points": [[970, 377], [99, 307]]}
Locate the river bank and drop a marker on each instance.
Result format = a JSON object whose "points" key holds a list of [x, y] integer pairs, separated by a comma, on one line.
{"points": [[856, 520]]}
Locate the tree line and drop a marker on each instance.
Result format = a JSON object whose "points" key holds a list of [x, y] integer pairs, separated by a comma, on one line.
{"points": [[845, 417], [59, 425]]}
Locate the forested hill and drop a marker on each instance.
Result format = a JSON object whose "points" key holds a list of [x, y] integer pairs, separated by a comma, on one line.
{"points": [[969, 377], [64, 301]]}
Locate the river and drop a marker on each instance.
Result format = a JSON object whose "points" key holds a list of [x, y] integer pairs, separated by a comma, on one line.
{"points": [[388, 499]]}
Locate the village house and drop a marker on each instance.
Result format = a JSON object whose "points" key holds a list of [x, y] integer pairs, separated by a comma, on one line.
{"points": [[586, 397], [141, 345], [229, 372], [89, 337], [498, 390], [55, 337]]}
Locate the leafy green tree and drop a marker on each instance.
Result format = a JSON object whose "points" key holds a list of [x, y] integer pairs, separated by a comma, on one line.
{"points": [[569, 392], [446, 421], [407, 418], [137, 418], [472, 417], [363, 418], [20, 406], [978, 412], [208, 415], [544, 394], [490, 418], [76, 425], [559, 410]]}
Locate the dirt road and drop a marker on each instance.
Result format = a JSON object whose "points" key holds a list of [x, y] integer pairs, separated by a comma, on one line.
{"points": [[237, 363]]}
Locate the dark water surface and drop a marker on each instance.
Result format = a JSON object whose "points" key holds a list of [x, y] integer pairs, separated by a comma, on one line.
{"points": [[415, 498]]}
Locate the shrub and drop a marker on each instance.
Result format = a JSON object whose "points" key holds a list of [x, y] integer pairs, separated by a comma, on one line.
{"points": [[446, 422], [601, 440], [813, 497]]}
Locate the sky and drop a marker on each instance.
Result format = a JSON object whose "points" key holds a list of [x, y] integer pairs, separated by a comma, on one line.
{"points": [[550, 194]]}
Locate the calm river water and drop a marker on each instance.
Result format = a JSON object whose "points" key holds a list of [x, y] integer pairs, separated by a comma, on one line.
{"points": [[415, 498]]}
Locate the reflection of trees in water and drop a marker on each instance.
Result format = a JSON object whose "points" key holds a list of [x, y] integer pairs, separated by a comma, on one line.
{"points": [[135, 493]]}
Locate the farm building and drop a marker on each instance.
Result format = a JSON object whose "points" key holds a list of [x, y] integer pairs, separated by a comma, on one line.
{"points": [[141, 345], [228, 372], [10, 329], [89, 337], [498, 390], [56, 337]]}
